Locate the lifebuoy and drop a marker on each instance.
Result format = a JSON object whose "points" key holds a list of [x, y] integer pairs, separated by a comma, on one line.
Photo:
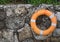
{"points": [[50, 29]]}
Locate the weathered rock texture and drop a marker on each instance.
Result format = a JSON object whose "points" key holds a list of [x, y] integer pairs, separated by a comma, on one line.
{"points": [[26, 33], [15, 22]]}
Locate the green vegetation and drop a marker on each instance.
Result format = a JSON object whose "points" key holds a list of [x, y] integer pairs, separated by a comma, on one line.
{"points": [[34, 2], [5, 1], [12, 1], [37, 2]]}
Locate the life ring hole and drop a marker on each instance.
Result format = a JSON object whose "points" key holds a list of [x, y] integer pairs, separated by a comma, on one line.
{"points": [[43, 22]]}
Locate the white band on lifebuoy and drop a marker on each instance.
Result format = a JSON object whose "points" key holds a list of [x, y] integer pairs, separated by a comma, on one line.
{"points": [[51, 16], [53, 24], [32, 20], [41, 32]]}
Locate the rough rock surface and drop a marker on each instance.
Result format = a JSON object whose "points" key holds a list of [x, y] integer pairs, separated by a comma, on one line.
{"points": [[16, 17], [28, 40], [2, 14], [26, 33], [15, 20], [2, 24]]}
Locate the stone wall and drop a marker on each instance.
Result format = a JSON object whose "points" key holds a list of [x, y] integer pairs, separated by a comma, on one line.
{"points": [[15, 23]]}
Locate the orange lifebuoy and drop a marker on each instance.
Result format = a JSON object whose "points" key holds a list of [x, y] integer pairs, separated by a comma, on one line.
{"points": [[50, 29]]}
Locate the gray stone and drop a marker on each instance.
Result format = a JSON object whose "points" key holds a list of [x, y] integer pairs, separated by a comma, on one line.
{"points": [[7, 34], [1, 25], [15, 22], [10, 6], [21, 11], [9, 12], [2, 14], [54, 39], [56, 32], [4, 40], [58, 16], [28, 40], [25, 33], [1, 6], [26, 5], [1, 34], [57, 8], [58, 24], [42, 6]]}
